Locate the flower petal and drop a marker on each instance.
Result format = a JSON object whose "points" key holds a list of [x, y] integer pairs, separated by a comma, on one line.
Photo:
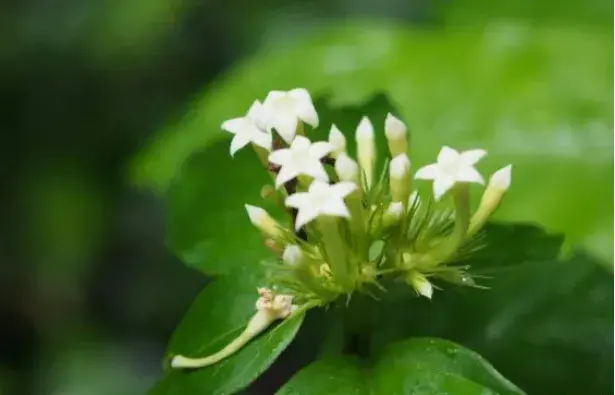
{"points": [[280, 157], [235, 125], [441, 185], [273, 96], [262, 139], [469, 174], [256, 110], [285, 125], [320, 149], [297, 200], [286, 174], [300, 94], [306, 214], [429, 172], [343, 189], [239, 141], [447, 155], [470, 157], [304, 107], [316, 170], [307, 113], [335, 207], [318, 186], [301, 144]]}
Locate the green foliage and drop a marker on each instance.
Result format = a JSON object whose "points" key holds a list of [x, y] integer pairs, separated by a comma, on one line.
{"points": [[217, 316], [417, 366], [532, 97]]}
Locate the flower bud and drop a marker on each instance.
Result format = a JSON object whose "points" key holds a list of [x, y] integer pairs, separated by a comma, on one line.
{"points": [[293, 255], [263, 221], [393, 214], [399, 175], [492, 197], [366, 149], [337, 140], [420, 283], [395, 132], [346, 168]]}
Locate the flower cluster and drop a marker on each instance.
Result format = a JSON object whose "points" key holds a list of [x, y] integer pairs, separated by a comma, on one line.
{"points": [[352, 230], [353, 227]]}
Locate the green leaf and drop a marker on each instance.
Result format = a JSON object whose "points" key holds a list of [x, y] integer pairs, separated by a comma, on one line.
{"points": [[416, 366], [335, 375], [217, 316], [543, 322], [535, 97], [432, 360]]}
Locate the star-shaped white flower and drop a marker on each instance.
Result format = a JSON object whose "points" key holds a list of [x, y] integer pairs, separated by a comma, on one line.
{"points": [[320, 199], [302, 157], [452, 167], [249, 129], [286, 109]]}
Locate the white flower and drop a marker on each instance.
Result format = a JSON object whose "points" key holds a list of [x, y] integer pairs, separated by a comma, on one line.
{"points": [[337, 141], [286, 109], [501, 179], [249, 129], [302, 157], [320, 199], [450, 168]]}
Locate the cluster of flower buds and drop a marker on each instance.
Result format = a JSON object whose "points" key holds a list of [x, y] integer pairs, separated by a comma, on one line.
{"points": [[353, 226]]}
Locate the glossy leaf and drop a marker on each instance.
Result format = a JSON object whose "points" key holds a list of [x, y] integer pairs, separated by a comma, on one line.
{"points": [[218, 315], [534, 97], [417, 366], [543, 322]]}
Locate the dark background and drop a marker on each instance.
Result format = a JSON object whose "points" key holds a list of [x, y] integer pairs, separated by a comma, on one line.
{"points": [[88, 292]]}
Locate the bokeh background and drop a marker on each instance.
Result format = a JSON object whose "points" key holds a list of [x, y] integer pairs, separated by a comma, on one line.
{"points": [[103, 102]]}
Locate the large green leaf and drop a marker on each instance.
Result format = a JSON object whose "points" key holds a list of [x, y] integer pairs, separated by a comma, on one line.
{"points": [[217, 316], [417, 366], [543, 322], [540, 98]]}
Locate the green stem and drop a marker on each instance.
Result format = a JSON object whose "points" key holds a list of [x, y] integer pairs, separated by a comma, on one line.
{"points": [[461, 199], [335, 251]]}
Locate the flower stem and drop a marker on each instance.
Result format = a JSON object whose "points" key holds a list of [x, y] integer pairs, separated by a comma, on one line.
{"points": [[461, 199], [335, 251]]}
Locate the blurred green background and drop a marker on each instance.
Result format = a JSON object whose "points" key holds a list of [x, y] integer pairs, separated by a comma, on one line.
{"points": [[112, 149]]}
